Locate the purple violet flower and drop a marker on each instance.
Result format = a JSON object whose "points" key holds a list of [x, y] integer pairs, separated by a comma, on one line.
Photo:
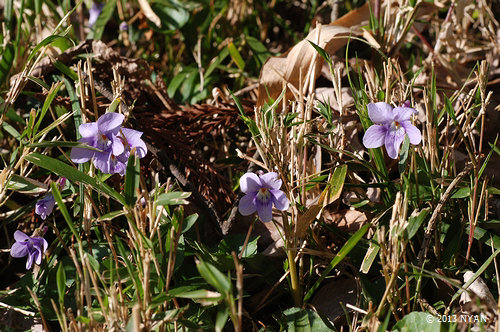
{"points": [[261, 193], [132, 139], [391, 126], [45, 206], [25, 245], [123, 26], [94, 12], [102, 135]]}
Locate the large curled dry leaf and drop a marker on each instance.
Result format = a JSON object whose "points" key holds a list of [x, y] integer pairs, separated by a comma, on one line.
{"points": [[302, 60]]}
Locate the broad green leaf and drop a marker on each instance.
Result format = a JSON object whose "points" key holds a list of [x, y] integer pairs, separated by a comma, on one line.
{"points": [[173, 14], [461, 193], [304, 320], [173, 198], [221, 318], [418, 321], [214, 277], [415, 221], [26, 185], [234, 242], [72, 174]]}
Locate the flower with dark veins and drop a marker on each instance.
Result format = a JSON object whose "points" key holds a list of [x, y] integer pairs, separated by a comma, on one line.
{"points": [[391, 126], [31, 246], [262, 191]]}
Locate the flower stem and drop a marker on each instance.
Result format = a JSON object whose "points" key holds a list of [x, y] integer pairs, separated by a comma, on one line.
{"points": [[293, 276]]}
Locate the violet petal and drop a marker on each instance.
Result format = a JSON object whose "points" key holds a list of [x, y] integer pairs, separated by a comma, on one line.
{"points": [[110, 123], [412, 132], [280, 200], [250, 182], [134, 140], [20, 236], [375, 136], [403, 113], [271, 180], [393, 142], [246, 205], [380, 113], [19, 249], [264, 209]]}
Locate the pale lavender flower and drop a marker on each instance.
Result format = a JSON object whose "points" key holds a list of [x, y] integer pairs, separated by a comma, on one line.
{"points": [[132, 139], [94, 12], [123, 26], [45, 206], [391, 126], [31, 246], [118, 163], [102, 135], [262, 191]]}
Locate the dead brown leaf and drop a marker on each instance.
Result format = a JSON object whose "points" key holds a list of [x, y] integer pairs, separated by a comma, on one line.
{"points": [[301, 63]]}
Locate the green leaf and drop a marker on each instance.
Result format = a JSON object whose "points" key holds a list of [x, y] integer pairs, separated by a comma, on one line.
{"points": [[173, 15], [415, 221], [461, 193], [111, 215], [234, 242], [403, 155], [66, 70], [476, 274], [320, 51], [61, 282], [258, 48], [338, 258], [236, 56], [418, 321], [6, 62], [48, 100], [98, 28], [39, 82], [11, 130], [370, 256], [214, 277], [58, 198], [304, 320], [51, 144], [72, 174], [173, 198], [26, 185], [47, 41], [132, 179], [221, 318]]}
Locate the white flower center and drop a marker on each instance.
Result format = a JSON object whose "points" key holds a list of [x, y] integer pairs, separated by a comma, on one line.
{"points": [[263, 195]]}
